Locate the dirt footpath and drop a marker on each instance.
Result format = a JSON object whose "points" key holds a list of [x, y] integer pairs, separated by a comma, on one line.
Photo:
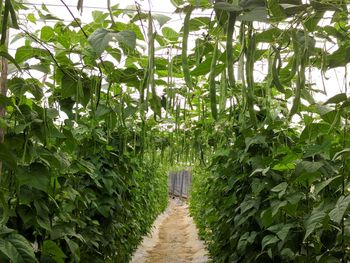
{"points": [[174, 239]]}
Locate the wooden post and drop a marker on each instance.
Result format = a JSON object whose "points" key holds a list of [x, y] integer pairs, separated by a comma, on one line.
{"points": [[3, 91]]}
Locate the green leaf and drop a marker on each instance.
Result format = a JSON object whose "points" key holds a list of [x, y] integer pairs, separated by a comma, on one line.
{"points": [[6, 55], [27, 52], [269, 35], [260, 170], [17, 249], [314, 221], [227, 7], [269, 240], [337, 214], [101, 37], [69, 85], [251, 4], [339, 58], [7, 249], [308, 167], [280, 189], [337, 99], [202, 68], [258, 14], [170, 34], [276, 206], [7, 156], [127, 37], [320, 186], [283, 233], [336, 155], [47, 33], [244, 240], [281, 230], [276, 11], [37, 176], [74, 248], [52, 250], [256, 140], [23, 247], [161, 19]]}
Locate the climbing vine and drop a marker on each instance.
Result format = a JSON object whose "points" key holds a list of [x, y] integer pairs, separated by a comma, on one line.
{"points": [[93, 114]]}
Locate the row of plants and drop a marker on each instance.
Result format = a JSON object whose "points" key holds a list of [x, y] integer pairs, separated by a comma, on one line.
{"points": [[81, 180], [274, 186], [277, 194], [86, 200]]}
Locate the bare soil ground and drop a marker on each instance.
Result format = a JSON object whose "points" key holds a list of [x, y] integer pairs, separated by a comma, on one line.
{"points": [[174, 239]]}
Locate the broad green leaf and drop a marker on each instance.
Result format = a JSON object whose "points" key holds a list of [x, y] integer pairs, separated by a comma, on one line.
{"points": [[256, 140], [69, 85], [200, 3], [161, 19], [276, 11], [202, 68], [269, 240], [198, 23], [245, 239], [266, 217], [281, 230], [251, 4], [336, 155], [23, 247], [99, 16], [283, 233], [258, 14], [8, 249], [337, 98], [47, 33], [6, 55], [102, 110], [276, 206], [27, 52], [339, 58], [269, 35], [320, 186], [177, 3], [17, 249], [337, 214], [7, 156], [314, 221], [52, 250], [227, 7], [308, 167], [37, 176], [260, 170], [127, 37], [101, 37], [280, 189], [170, 34], [74, 248]]}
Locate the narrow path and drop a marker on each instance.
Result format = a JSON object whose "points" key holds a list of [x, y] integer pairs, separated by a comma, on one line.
{"points": [[174, 239]]}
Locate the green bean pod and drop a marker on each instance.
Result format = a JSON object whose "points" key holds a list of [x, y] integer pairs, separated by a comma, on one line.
{"points": [[229, 48], [186, 31], [212, 84]]}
